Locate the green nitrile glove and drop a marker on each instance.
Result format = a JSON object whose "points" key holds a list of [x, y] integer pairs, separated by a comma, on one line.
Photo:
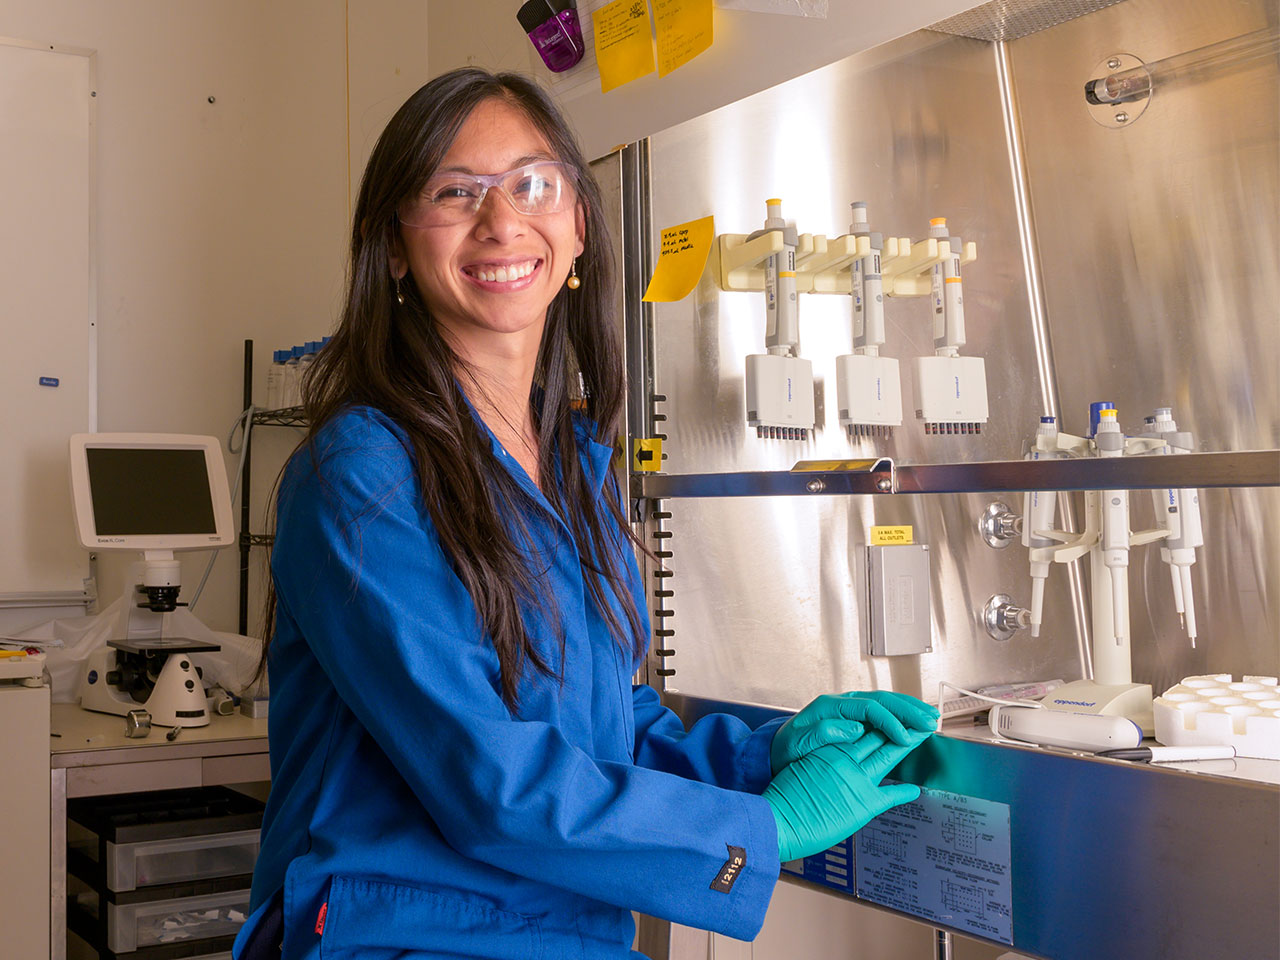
{"points": [[833, 791], [880, 755], [843, 718]]}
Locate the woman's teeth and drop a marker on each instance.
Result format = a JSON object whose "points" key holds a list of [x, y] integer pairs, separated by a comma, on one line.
{"points": [[512, 271]]}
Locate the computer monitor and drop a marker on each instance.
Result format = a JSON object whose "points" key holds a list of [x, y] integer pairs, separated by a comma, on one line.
{"points": [[153, 492]]}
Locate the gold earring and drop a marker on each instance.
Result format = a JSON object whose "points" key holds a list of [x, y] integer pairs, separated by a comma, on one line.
{"points": [[573, 283], [399, 295]]}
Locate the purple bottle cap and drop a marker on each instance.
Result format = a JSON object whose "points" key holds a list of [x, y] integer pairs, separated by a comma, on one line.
{"points": [[553, 28]]}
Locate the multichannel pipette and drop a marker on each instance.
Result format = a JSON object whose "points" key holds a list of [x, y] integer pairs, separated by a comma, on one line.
{"points": [[868, 387], [779, 384], [951, 390]]}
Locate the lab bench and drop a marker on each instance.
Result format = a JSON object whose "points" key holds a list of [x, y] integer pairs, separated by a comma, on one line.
{"points": [[90, 756]]}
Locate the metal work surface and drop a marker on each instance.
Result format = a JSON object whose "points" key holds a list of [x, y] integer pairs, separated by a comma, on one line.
{"points": [[765, 607], [760, 599], [1113, 860]]}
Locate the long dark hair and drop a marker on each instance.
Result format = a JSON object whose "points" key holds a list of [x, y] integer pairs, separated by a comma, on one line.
{"points": [[392, 357]]}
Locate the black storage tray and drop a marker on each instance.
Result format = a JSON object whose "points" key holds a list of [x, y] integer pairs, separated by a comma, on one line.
{"points": [[154, 815], [166, 814]]}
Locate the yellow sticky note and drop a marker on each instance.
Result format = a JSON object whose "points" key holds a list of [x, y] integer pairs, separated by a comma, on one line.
{"points": [[684, 31], [890, 536], [624, 42], [682, 256]]}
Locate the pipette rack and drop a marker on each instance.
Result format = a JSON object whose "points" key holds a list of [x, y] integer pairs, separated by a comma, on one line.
{"points": [[823, 263]]}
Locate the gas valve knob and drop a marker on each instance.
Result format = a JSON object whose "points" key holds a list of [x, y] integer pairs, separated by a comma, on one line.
{"points": [[1003, 618], [999, 525]]}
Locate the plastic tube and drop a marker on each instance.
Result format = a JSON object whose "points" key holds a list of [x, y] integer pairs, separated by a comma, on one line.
{"points": [[1197, 65]]}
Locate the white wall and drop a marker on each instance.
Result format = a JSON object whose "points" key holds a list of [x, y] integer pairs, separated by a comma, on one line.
{"points": [[225, 220], [752, 51]]}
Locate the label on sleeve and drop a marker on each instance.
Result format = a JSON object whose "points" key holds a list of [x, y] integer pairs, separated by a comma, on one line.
{"points": [[728, 875]]}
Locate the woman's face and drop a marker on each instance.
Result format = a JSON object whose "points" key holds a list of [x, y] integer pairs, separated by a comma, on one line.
{"points": [[489, 279]]}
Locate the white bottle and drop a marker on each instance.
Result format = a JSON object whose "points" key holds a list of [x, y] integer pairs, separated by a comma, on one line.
{"points": [[304, 363], [289, 395], [275, 378]]}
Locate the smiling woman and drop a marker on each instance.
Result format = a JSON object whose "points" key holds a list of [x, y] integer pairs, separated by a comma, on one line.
{"points": [[488, 253], [460, 764]]}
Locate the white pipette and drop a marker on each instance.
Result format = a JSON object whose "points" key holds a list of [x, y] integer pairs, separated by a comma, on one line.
{"points": [[1115, 525], [1039, 509], [1178, 511], [782, 323], [948, 300]]}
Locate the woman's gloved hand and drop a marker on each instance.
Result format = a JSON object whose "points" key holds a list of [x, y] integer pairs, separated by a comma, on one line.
{"points": [[844, 718], [834, 791]]}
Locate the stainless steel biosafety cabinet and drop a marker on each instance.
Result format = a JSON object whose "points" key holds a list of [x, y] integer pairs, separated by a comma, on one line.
{"points": [[1126, 252]]}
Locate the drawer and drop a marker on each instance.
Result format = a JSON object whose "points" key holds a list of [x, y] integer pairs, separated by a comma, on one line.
{"points": [[78, 948], [133, 926], [155, 862], [165, 814]]}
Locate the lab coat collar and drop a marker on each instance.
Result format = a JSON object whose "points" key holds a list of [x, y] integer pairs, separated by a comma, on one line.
{"points": [[595, 456]]}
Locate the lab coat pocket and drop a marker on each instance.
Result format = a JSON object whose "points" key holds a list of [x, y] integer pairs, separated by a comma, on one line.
{"points": [[374, 920]]}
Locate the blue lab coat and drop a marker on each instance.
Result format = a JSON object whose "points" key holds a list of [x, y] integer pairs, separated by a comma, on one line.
{"points": [[411, 814]]}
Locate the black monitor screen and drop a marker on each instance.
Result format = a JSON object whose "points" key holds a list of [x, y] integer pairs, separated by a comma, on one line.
{"points": [[149, 492]]}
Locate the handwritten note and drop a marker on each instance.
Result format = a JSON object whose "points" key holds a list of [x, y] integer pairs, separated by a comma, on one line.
{"points": [[682, 256], [684, 31], [624, 42]]}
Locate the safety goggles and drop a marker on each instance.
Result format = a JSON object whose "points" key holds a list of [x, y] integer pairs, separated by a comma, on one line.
{"points": [[533, 190]]}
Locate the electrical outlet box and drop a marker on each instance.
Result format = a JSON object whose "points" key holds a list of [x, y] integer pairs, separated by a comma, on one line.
{"points": [[779, 391], [898, 605]]}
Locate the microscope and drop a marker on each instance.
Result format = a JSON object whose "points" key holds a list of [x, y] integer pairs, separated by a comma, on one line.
{"points": [[158, 493]]}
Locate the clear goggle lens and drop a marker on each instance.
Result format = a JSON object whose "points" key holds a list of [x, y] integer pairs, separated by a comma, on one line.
{"points": [[532, 190]]}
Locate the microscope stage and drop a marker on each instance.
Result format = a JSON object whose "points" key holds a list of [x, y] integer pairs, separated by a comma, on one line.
{"points": [[164, 645]]}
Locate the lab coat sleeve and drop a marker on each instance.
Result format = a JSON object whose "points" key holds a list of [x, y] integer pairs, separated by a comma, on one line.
{"points": [[359, 568], [719, 749]]}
